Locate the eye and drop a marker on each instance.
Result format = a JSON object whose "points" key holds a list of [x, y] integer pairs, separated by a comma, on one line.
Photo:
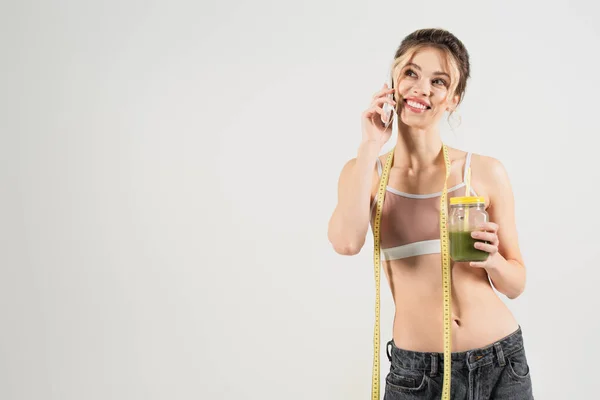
{"points": [[440, 82], [410, 72]]}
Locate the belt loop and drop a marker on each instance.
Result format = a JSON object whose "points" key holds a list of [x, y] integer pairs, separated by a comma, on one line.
{"points": [[434, 364], [500, 354], [387, 350]]}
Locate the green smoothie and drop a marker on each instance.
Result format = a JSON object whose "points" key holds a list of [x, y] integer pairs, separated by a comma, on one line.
{"points": [[462, 247]]}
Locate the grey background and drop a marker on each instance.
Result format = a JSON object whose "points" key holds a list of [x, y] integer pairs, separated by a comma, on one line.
{"points": [[169, 168]]}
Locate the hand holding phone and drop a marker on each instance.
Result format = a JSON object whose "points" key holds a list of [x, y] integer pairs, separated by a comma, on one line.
{"points": [[377, 119]]}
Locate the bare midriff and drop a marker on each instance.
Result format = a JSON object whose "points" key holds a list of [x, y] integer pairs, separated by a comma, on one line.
{"points": [[479, 316]]}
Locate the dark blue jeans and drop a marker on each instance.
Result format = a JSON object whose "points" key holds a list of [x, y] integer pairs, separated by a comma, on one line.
{"points": [[496, 372]]}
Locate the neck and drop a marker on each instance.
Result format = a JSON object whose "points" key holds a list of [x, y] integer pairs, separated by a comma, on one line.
{"points": [[417, 149]]}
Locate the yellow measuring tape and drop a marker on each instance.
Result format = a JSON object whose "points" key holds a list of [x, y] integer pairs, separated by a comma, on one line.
{"points": [[445, 274]]}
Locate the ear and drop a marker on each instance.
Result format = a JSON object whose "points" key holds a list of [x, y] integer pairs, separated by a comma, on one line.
{"points": [[453, 103]]}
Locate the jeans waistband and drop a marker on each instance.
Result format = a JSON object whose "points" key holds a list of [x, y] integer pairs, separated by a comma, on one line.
{"points": [[471, 359]]}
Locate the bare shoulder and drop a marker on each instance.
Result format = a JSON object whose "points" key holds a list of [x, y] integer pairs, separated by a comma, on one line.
{"points": [[348, 165], [491, 176], [345, 175], [489, 168], [347, 168]]}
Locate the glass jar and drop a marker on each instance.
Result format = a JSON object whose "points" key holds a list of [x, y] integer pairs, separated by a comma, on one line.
{"points": [[466, 213]]}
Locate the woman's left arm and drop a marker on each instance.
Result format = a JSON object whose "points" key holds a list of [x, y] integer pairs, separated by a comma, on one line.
{"points": [[504, 265]]}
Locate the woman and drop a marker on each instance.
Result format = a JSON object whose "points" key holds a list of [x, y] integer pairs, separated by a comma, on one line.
{"points": [[430, 71]]}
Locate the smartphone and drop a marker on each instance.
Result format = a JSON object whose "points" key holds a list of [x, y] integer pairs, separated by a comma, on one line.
{"points": [[388, 110]]}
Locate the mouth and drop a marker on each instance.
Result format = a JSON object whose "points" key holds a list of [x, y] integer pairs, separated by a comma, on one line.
{"points": [[415, 106]]}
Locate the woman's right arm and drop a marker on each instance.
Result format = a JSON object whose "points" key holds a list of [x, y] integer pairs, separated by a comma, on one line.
{"points": [[349, 223], [350, 220]]}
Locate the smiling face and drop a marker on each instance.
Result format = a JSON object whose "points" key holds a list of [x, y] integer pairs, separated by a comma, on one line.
{"points": [[423, 87]]}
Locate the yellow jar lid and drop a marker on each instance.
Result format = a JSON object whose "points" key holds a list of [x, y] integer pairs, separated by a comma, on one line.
{"points": [[467, 200]]}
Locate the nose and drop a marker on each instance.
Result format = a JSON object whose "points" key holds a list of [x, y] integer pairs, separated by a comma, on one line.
{"points": [[421, 88]]}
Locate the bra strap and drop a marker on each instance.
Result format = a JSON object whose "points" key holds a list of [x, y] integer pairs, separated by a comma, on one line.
{"points": [[467, 165]]}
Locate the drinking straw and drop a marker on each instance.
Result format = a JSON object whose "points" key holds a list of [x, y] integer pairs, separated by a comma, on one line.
{"points": [[467, 193]]}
